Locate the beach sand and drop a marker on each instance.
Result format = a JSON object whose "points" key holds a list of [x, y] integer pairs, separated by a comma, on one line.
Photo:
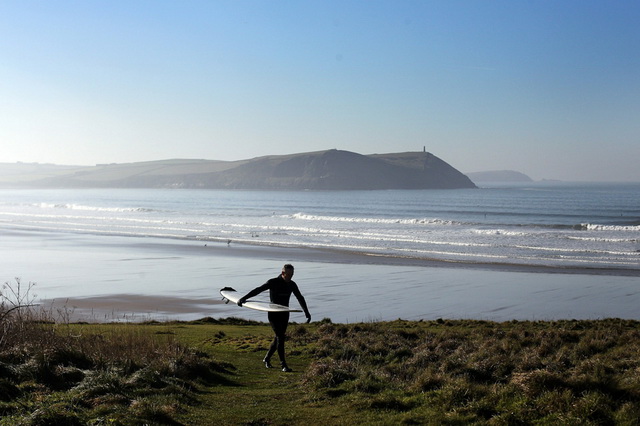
{"points": [[83, 277]]}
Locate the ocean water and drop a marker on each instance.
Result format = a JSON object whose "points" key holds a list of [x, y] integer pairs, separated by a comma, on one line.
{"points": [[165, 254], [540, 224], [111, 279]]}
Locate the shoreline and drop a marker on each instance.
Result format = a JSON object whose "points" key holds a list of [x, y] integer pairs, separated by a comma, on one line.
{"points": [[95, 278], [131, 308], [327, 255], [335, 256]]}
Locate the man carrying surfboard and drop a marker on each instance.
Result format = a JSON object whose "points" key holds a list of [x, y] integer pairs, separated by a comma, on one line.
{"points": [[280, 289]]}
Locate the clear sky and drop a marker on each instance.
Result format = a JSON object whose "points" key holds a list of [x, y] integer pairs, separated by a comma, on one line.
{"points": [[547, 88]]}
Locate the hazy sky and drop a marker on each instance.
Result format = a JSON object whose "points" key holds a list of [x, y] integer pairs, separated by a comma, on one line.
{"points": [[548, 88]]}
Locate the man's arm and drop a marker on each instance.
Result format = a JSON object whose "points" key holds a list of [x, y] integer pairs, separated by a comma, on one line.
{"points": [[253, 292], [303, 303]]}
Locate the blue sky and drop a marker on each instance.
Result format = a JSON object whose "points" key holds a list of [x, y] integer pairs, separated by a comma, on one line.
{"points": [[548, 88]]}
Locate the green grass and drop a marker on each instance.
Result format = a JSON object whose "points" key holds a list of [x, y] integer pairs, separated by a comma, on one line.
{"points": [[210, 372], [440, 372]]}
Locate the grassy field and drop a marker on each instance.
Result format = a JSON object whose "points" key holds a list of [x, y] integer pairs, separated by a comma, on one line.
{"points": [[209, 372]]}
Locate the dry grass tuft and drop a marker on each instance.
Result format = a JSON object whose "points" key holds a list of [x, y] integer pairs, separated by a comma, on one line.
{"points": [[112, 374]]}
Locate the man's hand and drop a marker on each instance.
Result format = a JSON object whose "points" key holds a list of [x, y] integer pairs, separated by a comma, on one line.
{"points": [[241, 302]]}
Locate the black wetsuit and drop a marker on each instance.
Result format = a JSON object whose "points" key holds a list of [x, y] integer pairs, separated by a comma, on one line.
{"points": [[280, 293]]}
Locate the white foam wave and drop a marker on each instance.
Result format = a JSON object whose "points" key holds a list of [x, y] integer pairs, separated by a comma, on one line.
{"points": [[81, 207], [596, 227], [357, 230], [570, 251], [602, 240], [413, 221], [500, 232]]}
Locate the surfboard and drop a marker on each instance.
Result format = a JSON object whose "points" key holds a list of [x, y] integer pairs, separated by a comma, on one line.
{"points": [[230, 295]]}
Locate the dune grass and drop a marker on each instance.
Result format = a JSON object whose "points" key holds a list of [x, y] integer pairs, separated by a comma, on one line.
{"points": [[209, 372]]}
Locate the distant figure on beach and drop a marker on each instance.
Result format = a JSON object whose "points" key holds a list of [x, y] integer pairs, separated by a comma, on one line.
{"points": [[280, 289]]}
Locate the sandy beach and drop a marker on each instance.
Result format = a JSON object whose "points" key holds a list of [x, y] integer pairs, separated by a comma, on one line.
{"points": [[91, 278]]}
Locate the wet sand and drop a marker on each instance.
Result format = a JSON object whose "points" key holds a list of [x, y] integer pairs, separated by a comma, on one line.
{"points": [[97, 278]]}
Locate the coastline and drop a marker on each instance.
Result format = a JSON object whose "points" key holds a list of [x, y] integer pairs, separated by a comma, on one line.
{"points": [[97, 278], [334, 256]]}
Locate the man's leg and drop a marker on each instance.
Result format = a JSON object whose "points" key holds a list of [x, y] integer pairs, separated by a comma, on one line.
{"points": [[279, 322], [270, 352]]}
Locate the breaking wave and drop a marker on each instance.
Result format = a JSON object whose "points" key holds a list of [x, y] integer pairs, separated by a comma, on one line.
{"points": [[81, 207], [442, 225], [596, 227], [425, 221]]}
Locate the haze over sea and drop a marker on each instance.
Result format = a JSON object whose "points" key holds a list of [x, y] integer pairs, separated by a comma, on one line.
{"points": [[526, 251]]}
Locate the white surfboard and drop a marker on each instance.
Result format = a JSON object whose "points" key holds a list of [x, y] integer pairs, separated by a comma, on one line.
{"points": [[230, 295]]}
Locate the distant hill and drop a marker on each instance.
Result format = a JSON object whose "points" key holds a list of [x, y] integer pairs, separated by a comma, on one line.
{"points": [[499, 176], [24, 172], [323, 170]]}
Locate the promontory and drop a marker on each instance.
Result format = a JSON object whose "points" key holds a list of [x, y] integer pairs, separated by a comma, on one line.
{"points": [[323, 170]]}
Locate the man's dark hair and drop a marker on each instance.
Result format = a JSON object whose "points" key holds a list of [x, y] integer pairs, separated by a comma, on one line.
{"points": [[288, 267]]}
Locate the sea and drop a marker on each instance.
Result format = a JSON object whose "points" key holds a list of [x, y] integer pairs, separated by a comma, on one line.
{"points": [[543, 228]]}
